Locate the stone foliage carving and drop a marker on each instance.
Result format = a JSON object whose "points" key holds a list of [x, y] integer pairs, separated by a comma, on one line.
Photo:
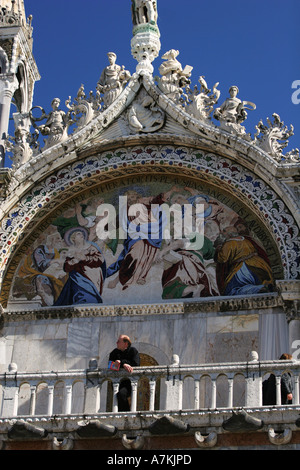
{"points": [[84, 109], [202, 101], [273, 138], [20, 146]]}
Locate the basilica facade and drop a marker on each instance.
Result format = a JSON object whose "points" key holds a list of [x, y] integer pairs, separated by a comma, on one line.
{"points": [[145, 209]]}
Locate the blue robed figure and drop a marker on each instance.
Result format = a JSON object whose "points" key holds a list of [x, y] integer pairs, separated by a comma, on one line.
{"points": [[86, 267]]}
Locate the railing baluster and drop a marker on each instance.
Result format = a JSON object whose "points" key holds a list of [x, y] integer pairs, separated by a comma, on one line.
{"points": [[296, 390], [68, 399], [50, 400], [197, 394], [16, 402], [278, 390], [214, 393], [180, 392], [133, 396], [152, 385], [32, 400], [230, 393], [115, 398]]}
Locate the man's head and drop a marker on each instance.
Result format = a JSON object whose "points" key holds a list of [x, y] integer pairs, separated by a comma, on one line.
{"points": [[286, 357], [123, 342]]}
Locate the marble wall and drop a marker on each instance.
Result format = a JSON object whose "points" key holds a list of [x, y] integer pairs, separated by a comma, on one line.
{"points": [[53, 344]]}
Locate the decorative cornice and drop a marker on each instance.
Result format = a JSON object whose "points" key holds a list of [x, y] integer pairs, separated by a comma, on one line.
{"points": [[218, 305]]}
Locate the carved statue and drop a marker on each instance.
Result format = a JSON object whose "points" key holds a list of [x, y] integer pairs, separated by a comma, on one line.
{"points": [[233, 111], [23, 144], [201, 105], [56, 126], [274, 137], [112, 80], [19, 145], [83, 109], [293, 156], [145, 116], [174, 78], [144, 11]]}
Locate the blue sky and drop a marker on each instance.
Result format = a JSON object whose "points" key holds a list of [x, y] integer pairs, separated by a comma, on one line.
{"points": [[254, 44]]}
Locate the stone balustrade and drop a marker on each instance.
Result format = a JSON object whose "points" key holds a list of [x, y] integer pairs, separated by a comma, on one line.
{"points": [[173, 387]]}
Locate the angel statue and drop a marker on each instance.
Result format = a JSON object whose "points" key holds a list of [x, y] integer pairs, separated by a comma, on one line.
{"points": [[56, 125], [233, 111]]}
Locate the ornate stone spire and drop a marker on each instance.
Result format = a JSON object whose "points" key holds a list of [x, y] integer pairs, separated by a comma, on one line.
{"points": [[12, 12], [18, 71], [145, 44]]}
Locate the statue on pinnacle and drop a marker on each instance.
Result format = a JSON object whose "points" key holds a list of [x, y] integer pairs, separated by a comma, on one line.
{"points": [[144, 11], [145, 44]]}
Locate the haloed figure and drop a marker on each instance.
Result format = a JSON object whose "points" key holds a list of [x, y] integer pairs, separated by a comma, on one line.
{"points": [[86, 267]]}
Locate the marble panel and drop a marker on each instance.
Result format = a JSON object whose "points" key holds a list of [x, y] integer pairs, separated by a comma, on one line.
{"points": [[81, 338]]}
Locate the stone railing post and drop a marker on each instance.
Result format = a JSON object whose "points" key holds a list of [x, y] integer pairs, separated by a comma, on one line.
{"points": [[174, 387], [92, 390], [253, 384], [10, 393]]}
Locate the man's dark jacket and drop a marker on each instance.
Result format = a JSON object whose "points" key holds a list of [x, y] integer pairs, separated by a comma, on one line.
{"points": [[129, 356]]}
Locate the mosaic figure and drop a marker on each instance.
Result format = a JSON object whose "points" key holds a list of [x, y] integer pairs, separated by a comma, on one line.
{"points": [[86, 267], [242, 265]]}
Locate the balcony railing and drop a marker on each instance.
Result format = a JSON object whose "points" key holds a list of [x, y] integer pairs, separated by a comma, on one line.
{"points": [[173, 387]]}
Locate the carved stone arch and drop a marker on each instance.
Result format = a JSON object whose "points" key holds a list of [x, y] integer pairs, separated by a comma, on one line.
{"points": [[151, 354], [111, 168]]}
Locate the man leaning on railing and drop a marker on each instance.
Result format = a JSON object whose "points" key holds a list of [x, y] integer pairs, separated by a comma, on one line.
{"points": [[124, 356]]}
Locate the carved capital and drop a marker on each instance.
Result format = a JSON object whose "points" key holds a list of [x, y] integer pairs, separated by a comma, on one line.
{"points": [[289, 289], [292, 310]]}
